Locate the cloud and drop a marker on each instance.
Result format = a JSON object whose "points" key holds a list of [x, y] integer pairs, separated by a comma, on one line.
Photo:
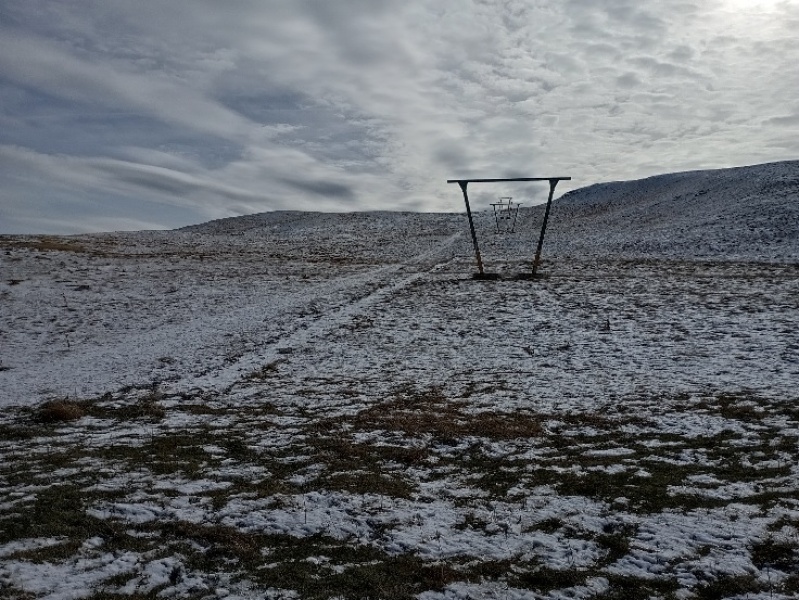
{"points": [[36, 63], [783, 121], [194, 111], [328, 189]]}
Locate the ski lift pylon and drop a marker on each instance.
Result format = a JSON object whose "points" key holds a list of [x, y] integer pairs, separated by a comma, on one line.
{"points": [[505, 213], [464, 183]]}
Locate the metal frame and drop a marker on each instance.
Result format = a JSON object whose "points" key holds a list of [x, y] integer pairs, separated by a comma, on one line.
{"points": [[504, 211], [463, 183]]}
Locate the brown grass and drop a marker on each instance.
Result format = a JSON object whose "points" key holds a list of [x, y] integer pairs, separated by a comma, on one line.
{"points": [[59, 411], [268, 370], [48, 244], [445, 419], [387, 449]]}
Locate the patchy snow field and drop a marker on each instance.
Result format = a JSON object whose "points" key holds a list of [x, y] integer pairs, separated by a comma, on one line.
{"points": [[301, 405]]}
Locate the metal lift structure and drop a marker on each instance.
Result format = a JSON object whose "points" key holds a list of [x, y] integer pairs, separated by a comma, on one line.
{"points": [[505, 213], [464, 183]]}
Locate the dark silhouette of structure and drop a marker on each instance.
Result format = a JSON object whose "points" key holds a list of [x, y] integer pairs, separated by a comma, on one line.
{"points": [[463, 183]]}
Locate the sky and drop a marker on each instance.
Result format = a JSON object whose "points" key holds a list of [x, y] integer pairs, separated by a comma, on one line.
{"points": [[146, 114]]}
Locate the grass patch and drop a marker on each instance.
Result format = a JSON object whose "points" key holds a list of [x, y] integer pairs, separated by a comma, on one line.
{"points": [[265, 372], [392, 449], [780, 555], [431, 413], [59, 512], [220, 544], [12, 432], [64, 410], [615, 540], [145, 408], [545, 579], [726, 586], [60, 411], [337, 569], [363, 468], [167, 453], [153, 594], [628, 587], [366, 482], [47, 244]]}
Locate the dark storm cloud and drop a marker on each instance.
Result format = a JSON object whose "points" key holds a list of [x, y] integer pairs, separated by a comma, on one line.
{"points": [[120, 114]]}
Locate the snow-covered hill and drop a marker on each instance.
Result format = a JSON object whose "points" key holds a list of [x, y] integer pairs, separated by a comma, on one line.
{"points": [[149, 289], [97, 308], [749, 213], [745, 213], [314, 405]]}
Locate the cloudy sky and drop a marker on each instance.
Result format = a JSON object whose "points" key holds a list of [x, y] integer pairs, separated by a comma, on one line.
{"points": [[144, 114]]}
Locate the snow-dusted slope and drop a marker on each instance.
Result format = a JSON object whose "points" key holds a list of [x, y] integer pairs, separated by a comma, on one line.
{"points": [[745, 213], [300, 404], [105, 310], [741, 213]]}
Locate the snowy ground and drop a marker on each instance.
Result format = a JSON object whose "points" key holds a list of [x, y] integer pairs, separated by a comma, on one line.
{"points": [[319, 406]]}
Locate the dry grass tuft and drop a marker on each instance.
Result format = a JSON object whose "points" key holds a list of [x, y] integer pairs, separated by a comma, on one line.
{"points": [[147, 407], [48, 244], [219, 541], [60, 411], [265, 372], [445, 419]]}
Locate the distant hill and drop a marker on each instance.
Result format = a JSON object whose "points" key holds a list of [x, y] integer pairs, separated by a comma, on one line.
{"points": [[745, 212]]}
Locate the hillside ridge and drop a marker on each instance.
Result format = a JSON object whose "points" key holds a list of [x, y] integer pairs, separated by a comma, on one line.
{"points": [[738, 213]]}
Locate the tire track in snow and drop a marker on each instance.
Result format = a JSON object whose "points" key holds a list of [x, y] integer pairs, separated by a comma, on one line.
{"points": [[206, 349], [224, 379]]}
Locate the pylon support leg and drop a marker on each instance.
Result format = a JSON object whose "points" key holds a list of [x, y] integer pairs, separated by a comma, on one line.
{"points": [[477, 256], [537, 261]]}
